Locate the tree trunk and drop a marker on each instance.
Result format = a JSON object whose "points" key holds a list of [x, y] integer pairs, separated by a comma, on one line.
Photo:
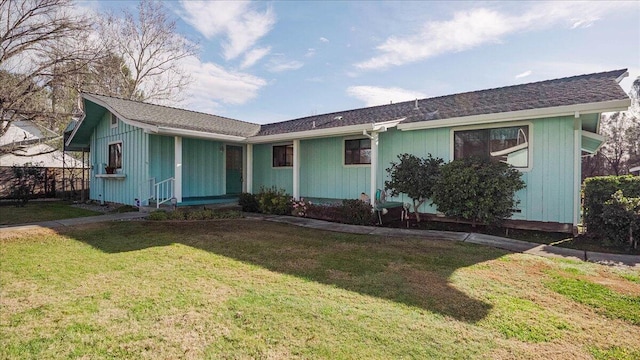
{"points": [[416, 205]]}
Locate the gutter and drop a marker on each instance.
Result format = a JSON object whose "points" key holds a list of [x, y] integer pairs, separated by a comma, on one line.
{"points": [[567, 110], [163, 130], [340, 130]]}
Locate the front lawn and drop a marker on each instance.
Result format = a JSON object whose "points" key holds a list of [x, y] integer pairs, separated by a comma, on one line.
{"points": [[255, 289], [35, 211]]}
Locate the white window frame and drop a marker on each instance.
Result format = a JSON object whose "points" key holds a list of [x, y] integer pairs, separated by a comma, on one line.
{"points": [[121, 153], [344, 148], [271, 157], [530, 138], [113, 124]]}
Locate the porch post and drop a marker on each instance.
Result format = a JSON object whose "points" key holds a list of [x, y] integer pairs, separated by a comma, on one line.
{"points": [[577, 167], [296, 169], [249, 172], [178, 168], [374, 168]]}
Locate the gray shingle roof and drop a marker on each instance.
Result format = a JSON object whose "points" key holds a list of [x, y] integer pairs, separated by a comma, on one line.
{"points": [[159, 115], [582, 89]]}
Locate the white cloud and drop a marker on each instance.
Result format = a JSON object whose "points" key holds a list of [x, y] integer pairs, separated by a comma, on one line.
{"points": [[238, 21], [311, 52], [324, 39], [373, 95], [469, 29], [213, 85], [524, 74], [254, 56], [583, 23], [278, 63]]}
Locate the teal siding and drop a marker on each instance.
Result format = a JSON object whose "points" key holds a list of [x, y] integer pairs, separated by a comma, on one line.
{"points": [[549, 192], [419, 143], [548, 196], [135, 158], [265, 175], [202, 168], [161, 157], [324, 175]]}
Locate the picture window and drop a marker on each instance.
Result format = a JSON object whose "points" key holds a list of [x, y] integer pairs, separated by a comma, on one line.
{"points": [[506, 144]]}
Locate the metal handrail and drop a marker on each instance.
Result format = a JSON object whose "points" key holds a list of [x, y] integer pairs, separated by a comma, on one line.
{"points": [[164, 191]]}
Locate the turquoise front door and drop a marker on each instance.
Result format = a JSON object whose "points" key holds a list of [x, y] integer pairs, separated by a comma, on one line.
{"points": [[234, 169]]}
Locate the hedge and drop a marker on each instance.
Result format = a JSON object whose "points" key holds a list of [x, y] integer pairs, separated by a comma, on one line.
{"points": [[598, 190]]}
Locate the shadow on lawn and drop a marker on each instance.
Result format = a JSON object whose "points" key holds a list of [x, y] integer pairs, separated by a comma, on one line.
{"points": [[409, 271]]}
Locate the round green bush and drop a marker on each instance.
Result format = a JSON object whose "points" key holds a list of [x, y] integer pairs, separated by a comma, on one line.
{"points": [[158, 215]]}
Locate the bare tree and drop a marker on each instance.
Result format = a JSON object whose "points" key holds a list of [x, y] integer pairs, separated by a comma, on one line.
{"points": [[152, 49], [621, 149], [42, 45], [633, 132], [616, 127]]}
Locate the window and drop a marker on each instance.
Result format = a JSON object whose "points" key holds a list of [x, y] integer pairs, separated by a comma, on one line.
{"points": [[113, 120], [115, 155], [507, 144], [357, 152], [282, 155]]}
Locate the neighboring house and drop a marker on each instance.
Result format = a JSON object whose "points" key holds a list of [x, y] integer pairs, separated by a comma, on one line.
{"points": [[635, 171], [26, 143], [541, 128]]}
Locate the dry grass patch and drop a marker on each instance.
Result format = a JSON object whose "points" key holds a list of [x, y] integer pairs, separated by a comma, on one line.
{"points": [[252, 289]]}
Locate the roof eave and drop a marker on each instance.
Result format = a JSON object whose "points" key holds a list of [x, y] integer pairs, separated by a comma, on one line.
{"points": [[163, 130], [318, 133], [122, 118], [75, 130], [622, 76], [595, 137], [567, 110]]}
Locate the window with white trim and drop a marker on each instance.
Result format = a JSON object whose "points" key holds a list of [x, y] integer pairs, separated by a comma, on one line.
{"points": [[506, 144], [283, 155], [113, 120], [115, 155], [357, 152]]}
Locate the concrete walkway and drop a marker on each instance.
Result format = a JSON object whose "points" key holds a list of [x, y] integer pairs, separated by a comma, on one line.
{"points": [[474, 238], [75, 221]]}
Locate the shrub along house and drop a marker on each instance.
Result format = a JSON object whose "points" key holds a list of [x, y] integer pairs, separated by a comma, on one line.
{"points": [[541, 128]]}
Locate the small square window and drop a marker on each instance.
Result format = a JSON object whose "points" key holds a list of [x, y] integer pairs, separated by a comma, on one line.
{"points": [[282, 155], [357, 152], [114, 120], [115, 155]]}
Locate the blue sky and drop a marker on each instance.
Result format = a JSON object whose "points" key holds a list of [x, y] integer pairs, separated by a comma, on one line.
{"points": [[272, 61]]}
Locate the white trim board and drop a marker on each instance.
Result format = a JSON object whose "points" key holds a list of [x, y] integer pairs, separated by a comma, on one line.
{"points": [[569, 110]]}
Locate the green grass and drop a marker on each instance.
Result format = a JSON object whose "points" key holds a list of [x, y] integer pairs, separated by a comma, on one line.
{"points": [[599, 297], [614, 353], [36, 211], [255, 289]]}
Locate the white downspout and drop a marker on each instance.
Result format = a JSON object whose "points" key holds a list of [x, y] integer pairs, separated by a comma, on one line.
{"points": [[577, 167], [249, 173], [374, 167], [178, 169], [296, 169]]}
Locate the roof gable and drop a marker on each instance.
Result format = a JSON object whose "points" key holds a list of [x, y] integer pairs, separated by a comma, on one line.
{"points": [[170, 117]]}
